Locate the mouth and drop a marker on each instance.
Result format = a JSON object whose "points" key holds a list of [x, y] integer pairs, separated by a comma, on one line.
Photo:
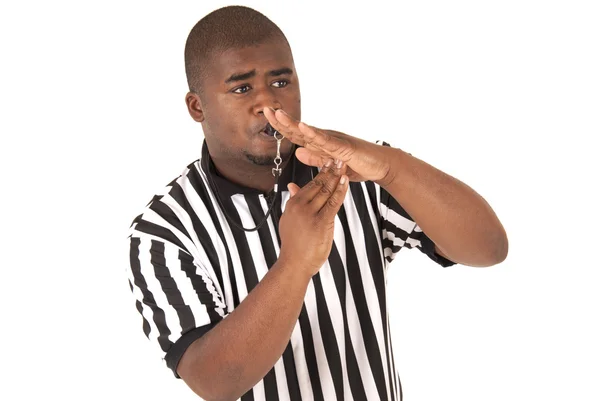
{"points": [[268, 131]]}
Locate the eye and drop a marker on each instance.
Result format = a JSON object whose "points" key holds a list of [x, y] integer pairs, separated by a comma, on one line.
{"points": [[281, 83], [241, 89]]}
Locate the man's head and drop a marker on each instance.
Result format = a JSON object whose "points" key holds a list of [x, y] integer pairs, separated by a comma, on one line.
{"points": [[237, 63]]}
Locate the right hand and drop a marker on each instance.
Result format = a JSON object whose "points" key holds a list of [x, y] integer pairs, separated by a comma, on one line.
{"points": [[306, 226]]}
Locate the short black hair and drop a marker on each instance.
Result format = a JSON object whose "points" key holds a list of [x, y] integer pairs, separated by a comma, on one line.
{"points": [[229, 27]]}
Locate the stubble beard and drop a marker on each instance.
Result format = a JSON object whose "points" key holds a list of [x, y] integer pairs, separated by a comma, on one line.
{"points": [[266, 160]]}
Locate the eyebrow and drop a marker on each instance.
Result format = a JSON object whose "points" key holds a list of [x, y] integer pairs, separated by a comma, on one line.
{"points": [[250, 74]]}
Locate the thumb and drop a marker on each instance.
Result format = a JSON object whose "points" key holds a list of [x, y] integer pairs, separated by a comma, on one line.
{"points": [[293, 188]]}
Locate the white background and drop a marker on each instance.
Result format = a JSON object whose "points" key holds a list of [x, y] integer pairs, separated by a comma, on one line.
{"points": [[504, 95]]}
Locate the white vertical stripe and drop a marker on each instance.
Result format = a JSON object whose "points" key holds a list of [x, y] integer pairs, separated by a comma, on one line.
{"points": [[252, 237], [236, 262], [373, 217], [259, 391], [301, 366], [282, 386], [391, 368], [324, 370], [201, 211], [370, 292], [333, 300], [147, 269]]}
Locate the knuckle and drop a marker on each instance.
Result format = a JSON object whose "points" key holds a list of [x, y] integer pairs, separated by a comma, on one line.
{"points": [[319, 181], [325, 190], [332, 202]]}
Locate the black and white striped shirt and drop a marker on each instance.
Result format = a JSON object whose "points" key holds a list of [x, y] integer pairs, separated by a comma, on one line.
{"points": [[189, 268]]}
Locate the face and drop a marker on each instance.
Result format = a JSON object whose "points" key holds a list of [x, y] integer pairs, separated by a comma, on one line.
{"points": [[238, 85]]}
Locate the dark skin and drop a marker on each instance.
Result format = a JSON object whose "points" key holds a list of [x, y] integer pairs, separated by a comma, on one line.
{"points": [[241, 349], [240, 83]]}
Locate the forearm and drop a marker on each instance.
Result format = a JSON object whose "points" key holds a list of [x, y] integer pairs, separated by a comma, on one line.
{"points": [[240, 350], [457, 219]]}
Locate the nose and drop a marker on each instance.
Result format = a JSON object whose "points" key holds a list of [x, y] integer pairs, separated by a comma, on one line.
{"points": [[265, 97]]}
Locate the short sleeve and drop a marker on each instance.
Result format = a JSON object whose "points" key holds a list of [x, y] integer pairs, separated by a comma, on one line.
{"points": [[400, 231], [175, 296]]}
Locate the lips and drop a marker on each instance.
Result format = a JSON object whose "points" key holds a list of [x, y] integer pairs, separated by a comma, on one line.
{"points": [[268, 130]]}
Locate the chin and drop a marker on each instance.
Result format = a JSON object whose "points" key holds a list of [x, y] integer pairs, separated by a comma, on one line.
{"points": [[267, 160], [260, 160]]}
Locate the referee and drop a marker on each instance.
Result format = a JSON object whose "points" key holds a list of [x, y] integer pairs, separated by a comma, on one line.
{"points": [[260, 272]]}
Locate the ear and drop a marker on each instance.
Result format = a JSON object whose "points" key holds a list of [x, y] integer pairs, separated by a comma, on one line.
{"points": [[194, 105]]}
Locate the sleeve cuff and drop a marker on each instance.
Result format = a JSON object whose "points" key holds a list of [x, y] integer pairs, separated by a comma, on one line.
{"points": [[428, 248], [176, 351]]}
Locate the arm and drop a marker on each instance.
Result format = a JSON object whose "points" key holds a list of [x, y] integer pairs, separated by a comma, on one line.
{"points": [[240, 350], [459, 221]]}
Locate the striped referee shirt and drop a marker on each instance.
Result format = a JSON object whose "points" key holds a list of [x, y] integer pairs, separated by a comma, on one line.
{"points": [[189, 268]]}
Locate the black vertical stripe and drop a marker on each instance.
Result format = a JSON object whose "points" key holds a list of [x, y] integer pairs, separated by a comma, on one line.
{"points": [[339, 277], [169, 287], [203, 236], [270, 383], [372, 192], [196, 182], [310, 355], [362, 308], [241, 243], [249, 396], [276, 216], [356, 385], [332, 350], [264, 233], [375, 263], [158, 315], [291, 375]]}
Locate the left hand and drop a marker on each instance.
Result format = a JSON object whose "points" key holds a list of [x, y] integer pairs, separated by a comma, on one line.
{"points": [[365, 161]]}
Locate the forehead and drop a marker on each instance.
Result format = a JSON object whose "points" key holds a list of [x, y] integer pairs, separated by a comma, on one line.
{"points": [[267, 56]]}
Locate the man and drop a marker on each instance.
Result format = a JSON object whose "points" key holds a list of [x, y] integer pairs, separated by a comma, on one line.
{"points": [[259, 293]]}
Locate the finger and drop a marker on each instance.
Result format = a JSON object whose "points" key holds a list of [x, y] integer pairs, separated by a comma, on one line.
{"points": [[335, 201], [326, 191], [311, 158], [284, 124], [315, 138], [325, 181], [293, 188]]}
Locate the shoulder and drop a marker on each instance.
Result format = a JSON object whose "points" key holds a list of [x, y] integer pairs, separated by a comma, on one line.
{"points": [[165, 207]]}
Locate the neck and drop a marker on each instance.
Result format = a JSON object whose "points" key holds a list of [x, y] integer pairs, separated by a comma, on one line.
{"points": [[246, 174]]}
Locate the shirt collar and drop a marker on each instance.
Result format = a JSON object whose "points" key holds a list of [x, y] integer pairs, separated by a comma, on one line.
{"points": [[295, 171]]}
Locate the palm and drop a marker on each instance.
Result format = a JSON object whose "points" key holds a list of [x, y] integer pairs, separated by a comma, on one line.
{"points": [[362, 160]]}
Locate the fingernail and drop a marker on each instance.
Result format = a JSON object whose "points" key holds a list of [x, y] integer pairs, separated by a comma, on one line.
{"points": [[328, 163], [343, 180], [339, 164]]}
